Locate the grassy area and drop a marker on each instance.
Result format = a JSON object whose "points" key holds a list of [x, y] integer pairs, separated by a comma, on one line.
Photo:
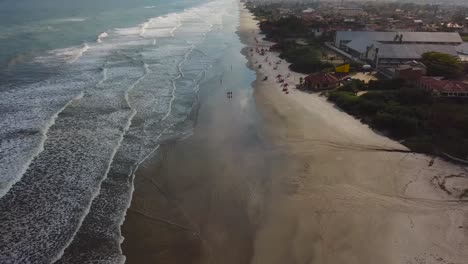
{"points": [[423, 123], [465, 38]]}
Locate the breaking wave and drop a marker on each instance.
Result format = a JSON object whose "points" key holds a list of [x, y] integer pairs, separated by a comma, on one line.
{"points": [[70, 144], [101, 37]]}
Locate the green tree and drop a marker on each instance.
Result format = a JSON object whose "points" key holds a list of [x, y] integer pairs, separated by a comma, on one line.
{"points": [[441, 64]]}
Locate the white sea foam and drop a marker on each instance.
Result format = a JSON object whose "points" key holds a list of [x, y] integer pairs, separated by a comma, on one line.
{"points": [[80, 142], [6, 184], [101, 37], [68, 55], [95, 194], [68, 20], [161, 26], [79, 52], [104, 76], [143, 28], [160, 96], [127, 31]]}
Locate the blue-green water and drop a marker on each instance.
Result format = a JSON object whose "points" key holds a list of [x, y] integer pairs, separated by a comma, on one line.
{"points": [[88, 90], [29, 27]]}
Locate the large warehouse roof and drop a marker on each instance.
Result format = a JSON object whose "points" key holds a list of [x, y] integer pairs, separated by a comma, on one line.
{"points": [[412, 51], [463, 48], [433, 37], [400, 51], [360, 45]]}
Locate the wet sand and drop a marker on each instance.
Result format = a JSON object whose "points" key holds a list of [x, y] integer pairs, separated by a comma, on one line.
{"points": [[273, 178], [201, 199]]}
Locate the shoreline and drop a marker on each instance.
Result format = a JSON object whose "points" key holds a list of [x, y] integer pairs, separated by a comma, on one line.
{"points": [[201, 199], [273, 178], [354, 202]]}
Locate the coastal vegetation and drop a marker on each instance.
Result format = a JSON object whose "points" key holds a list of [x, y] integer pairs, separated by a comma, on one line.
{"points": [[304, 59], [284, 28], [399, 109], [297, 45], [413, 116], [442, 65]]}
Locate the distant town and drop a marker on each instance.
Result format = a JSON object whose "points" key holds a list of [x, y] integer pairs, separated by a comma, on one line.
{"points": [[400, 67]]}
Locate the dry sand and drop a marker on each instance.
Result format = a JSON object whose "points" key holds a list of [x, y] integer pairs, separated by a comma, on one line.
{"points": [[353, 196]]}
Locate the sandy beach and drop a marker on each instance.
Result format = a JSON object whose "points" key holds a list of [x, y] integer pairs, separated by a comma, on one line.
{"points": [[268, 177], [201, 199], [358, 196]]}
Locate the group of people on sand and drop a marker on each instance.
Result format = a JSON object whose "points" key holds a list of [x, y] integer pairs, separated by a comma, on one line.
{"points": [[280, 79]]}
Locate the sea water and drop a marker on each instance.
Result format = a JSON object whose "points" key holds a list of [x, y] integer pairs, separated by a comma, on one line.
{"points": [[88, 90]]}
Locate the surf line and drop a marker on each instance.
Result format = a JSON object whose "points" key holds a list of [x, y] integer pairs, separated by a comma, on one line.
{"points": [[40, 147], [124, 131], [81, 51]]}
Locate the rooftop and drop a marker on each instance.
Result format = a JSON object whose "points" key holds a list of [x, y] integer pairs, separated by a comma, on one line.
{"points": [[412, 51], [401, 51], [441, 37], [445, 86], [361, 44], [463, 48], [321, 78]]}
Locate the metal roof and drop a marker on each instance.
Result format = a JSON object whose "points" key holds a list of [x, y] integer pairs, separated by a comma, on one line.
{"points": [[360, 45], [463, 48], [400, 51], [412, 51], [442, 37]]}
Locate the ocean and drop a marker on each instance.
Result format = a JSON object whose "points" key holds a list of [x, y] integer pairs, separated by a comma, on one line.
{"points": [[88, 91]]}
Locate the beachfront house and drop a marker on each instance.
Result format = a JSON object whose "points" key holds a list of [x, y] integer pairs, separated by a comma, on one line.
{"points": [[444, 88], [320, 81]]}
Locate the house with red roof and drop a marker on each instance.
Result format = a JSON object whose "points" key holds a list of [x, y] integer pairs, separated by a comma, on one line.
{"points": [[444, 88], [321, 81]]}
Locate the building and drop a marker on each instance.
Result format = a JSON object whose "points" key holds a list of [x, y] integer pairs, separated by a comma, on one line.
{"points": [[391, 49], [463, 52], [392, 55], [321, 81], [412, 71], [444, 88], [342, 38]]}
